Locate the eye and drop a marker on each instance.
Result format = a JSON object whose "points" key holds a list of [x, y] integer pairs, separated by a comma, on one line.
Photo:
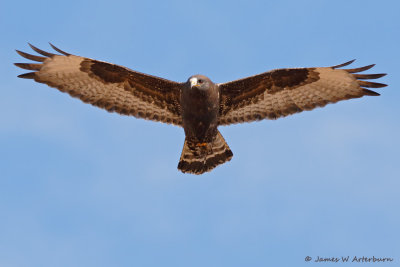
{"points": [[200, 81]]}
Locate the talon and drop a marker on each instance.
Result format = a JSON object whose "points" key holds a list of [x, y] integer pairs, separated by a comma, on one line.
{"points": [[201, 144]]}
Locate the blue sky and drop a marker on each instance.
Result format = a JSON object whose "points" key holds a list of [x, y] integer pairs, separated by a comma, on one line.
{"points": [[83, 187]]}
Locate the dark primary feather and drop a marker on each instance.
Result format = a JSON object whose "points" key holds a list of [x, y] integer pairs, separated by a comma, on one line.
{"points": [[360, 69], [44, 53], [343, 64], [59, 50], [28, 66], [29, 75], [371, 84], [30, 57], [370, 92], [368, 76]]}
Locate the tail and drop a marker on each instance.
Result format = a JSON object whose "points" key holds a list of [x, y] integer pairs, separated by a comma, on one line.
{"points": [[200, 158]]}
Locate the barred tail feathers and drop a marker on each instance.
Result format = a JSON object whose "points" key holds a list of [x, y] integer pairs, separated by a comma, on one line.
{"points": [[200, 158]]}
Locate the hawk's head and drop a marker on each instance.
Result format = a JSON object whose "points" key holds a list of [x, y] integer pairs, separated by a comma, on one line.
{"points": [[200, 82]]}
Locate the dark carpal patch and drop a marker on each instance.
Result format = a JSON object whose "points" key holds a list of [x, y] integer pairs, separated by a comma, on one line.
{"points": [[290, 79], [251, 90], [108, 73], [150, 89]]}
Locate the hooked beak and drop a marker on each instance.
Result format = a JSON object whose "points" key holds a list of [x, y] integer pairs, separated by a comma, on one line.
{"points": [[194, 82]]}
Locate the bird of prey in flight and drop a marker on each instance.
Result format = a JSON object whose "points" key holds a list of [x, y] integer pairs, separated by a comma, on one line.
{"points": [[198, 105]]}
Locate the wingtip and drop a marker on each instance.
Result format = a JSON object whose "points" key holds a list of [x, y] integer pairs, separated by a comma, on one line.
{"points": [[370, 92], [343, 64], [355, 70], [351, 61], [369, 76], [380, 75], [59, 50], [29, 66], [29, 75], [383, 84], [44, 53], [31, 57], [371, 84]]}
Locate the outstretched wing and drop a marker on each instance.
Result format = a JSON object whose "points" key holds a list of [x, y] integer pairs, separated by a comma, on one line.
{"points": [[283, 92], [112, 87]]}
